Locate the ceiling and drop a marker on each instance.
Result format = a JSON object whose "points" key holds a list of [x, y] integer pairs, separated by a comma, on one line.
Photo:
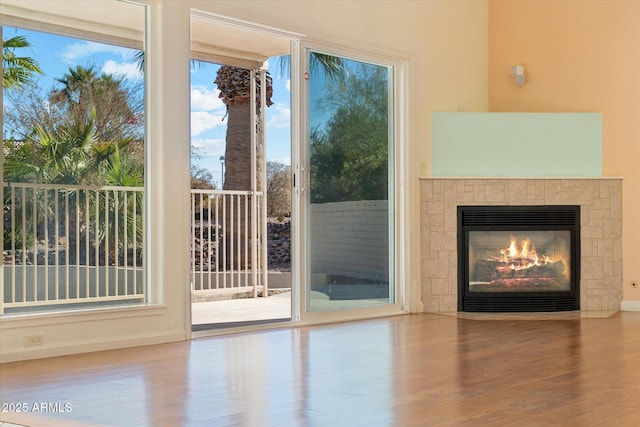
{"points": [[213, 38], [221, 36]]}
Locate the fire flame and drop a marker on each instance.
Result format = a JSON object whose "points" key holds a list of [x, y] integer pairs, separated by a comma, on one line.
{"points": [[520, 257]]}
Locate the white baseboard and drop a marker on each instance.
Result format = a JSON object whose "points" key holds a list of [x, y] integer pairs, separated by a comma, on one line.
{"points": [[630, 306], [101, 344]]}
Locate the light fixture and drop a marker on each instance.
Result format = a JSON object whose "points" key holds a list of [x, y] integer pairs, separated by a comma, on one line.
{"points": [[222, 176], [517, 71]]}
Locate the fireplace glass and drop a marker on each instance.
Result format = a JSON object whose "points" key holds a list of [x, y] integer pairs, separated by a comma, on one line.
{"points": [[519, 258], [519, 261]]}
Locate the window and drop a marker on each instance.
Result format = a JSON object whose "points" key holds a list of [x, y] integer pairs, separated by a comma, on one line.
{"points": [[73, 157]]}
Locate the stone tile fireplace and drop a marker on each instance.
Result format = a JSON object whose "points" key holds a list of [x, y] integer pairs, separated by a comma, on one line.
{"points": [[600, 204]]}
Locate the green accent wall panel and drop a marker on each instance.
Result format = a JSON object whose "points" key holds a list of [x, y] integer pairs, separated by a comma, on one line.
{"points": [[516, 144]]}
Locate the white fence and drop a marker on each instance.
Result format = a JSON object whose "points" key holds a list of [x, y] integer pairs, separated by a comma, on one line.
{"points": [[76, 245], [71, 244], [228, 240]]}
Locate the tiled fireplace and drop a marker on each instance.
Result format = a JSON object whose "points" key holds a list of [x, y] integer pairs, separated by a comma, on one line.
{"points": [[599, 201]]}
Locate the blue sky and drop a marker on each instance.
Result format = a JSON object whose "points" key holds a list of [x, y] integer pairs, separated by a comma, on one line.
{"points": [[55, 54]]}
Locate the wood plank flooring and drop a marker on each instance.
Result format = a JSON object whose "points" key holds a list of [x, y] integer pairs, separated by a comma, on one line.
{"points": [[414, 370]]}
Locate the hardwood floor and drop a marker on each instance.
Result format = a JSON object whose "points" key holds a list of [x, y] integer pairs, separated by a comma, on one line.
{"points": [[415, 370]]}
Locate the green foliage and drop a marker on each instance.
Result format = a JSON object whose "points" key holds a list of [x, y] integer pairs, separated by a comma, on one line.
{"points": [[349, 154], [68, 154], [88, 124], [17, 71], [333, 67], [82, 137], [117, 105], [123, 171], [21, 238], [118, 215], [24, 207]]}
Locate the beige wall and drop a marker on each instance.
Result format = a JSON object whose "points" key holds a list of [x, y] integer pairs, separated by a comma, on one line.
{"points": [[578, 56]]}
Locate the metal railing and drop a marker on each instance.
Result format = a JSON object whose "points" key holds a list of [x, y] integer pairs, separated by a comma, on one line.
{"points": [[228, 240], [70, 244]]}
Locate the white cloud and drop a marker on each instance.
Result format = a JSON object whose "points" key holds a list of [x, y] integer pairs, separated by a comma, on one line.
{"points": [[288, 85], [279, 116], [76, 51], [202, 121], [208, 150], [207, 110], [208, 144], [205, 99], [127, 70]]}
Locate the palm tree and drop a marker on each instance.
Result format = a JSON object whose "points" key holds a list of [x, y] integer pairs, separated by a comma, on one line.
{"points": [[83, 89], [235, 91], [61, 156], [17, 71]]}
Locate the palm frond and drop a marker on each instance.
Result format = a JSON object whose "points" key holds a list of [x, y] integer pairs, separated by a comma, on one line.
{"points": [[333, 66], [17, 71]]}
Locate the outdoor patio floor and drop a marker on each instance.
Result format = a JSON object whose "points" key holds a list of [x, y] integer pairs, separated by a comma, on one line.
{"points": [[276, 306], [236, 311]]}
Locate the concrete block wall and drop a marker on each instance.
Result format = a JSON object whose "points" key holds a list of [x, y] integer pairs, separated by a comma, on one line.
{"points": [[350, 239]]}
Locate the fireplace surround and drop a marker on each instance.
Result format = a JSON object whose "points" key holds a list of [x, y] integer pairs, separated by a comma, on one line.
{"points": [[518, 258], [600, 202]]}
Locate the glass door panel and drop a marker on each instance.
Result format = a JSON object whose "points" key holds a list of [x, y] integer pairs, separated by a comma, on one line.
{"points": [[349, 202]]}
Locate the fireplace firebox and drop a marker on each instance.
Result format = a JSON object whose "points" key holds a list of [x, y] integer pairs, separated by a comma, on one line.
{"points": [[518, 258]]}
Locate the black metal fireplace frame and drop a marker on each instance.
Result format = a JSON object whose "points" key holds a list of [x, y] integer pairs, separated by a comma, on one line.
{"points": [[518, 218]]}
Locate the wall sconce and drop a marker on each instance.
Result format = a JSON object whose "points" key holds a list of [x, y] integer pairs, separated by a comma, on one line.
{"points": [[517, 71]]}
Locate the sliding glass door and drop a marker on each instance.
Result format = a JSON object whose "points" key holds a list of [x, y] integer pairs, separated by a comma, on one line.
{"points": [[347, 188]]}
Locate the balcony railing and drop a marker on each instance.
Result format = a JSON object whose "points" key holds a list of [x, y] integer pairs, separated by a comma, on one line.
{"points": [[228, 240], [80, 246], [69, 245]]}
